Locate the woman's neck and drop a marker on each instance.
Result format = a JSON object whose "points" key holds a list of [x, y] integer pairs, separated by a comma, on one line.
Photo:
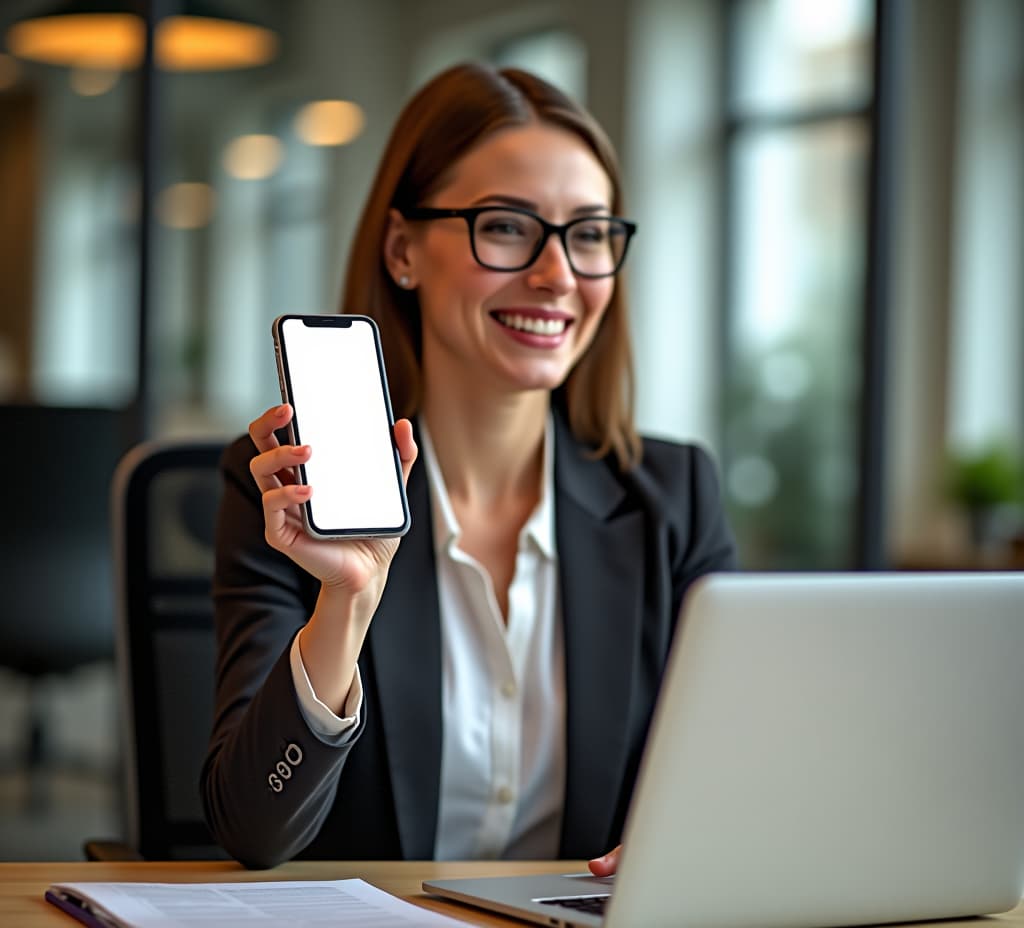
{"points": [[488, 449]]}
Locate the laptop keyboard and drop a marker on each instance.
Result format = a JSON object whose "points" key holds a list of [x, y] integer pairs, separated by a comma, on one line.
{"points": [[592, 905]]}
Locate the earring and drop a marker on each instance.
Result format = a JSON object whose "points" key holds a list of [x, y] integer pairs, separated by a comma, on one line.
{"points": [[403, 282]]}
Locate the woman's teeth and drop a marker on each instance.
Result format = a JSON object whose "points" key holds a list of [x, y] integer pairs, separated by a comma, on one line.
{"points": [[533, 325]]}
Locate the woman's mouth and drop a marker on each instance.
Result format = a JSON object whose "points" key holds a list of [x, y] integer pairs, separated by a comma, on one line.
{"points": [[533, 325]]}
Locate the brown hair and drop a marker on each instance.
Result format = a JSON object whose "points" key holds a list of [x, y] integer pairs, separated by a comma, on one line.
{"points": [[446, 118]]}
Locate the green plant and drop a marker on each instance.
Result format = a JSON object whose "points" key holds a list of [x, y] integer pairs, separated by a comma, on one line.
{"points": [[992, 476]]}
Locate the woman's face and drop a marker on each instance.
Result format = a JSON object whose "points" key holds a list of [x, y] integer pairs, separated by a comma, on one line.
{"points": [[519, 330]]}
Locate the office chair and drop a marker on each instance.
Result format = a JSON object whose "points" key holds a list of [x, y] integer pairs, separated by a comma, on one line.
{"points": [[57, 606], [164, 503]]}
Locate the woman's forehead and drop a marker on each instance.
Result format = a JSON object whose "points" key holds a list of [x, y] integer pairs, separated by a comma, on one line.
{"points": [[537, 162]]}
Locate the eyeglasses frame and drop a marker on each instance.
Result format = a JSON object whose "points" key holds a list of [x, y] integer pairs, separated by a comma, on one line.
{"points": [[470, 213]]}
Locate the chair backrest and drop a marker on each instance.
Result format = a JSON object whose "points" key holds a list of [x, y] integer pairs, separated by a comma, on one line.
{"points": [[57, 608], [165, 497]]}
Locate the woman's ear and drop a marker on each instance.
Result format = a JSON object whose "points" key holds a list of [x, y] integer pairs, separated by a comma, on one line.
{"points": [[398, 251]]}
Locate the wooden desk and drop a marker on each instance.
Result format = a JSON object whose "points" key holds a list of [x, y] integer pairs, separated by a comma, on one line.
{"points": [[22, 884]]}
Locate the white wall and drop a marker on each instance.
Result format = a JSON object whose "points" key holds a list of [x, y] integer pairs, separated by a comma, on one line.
{"points": [[671, 156], [986, 401], [920, 288]]}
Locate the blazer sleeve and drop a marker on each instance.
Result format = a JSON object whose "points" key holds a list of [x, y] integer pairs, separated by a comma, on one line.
{"points": [[682, 490], [682, 481], [268, 782], [712, 546]]}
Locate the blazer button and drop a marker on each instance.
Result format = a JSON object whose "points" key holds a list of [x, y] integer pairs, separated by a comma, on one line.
{"points": [[282, 771]]}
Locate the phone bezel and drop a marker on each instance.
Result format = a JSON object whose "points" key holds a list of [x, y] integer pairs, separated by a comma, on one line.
{"points": [[343, 321]]}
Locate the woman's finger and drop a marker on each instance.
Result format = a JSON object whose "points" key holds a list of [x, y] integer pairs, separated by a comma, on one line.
{"points": [[607, 865], [261, 430], [276, 467], [276, 504], [407, 450]]}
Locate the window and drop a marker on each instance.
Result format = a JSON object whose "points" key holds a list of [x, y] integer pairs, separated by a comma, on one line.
{"points": [[798, 145]]}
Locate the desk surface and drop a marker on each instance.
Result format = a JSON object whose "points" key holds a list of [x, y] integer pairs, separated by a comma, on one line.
{"points": [[22, 884]]}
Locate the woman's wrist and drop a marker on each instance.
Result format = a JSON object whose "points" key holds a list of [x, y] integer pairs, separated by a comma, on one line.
{"points": [[330, 642]]}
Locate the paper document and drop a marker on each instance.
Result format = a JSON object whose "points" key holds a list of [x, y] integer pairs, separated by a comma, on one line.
{"points": [[240, 905]]}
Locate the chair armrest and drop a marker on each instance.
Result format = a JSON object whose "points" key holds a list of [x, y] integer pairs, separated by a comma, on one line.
{"points": [[102, 850]]}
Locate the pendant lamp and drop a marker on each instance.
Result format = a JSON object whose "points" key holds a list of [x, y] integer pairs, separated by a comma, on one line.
{"points": [[111, 36]]}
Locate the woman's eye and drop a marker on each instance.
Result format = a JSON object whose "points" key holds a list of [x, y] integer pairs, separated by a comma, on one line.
{"points": [[590, 234], [503, 227]]}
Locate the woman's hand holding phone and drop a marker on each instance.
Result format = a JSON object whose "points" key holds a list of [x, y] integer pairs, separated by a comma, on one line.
{"points": [[352, 571], [349, 565]]}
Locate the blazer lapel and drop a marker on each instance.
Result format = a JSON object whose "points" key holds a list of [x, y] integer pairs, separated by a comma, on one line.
{"points": [[405, 644], [601, 558]]}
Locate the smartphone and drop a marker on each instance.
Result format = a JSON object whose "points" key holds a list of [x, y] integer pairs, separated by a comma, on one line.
{"points": [[331, 371]]}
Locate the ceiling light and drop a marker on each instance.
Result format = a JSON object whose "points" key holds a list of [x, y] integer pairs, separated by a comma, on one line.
{"points": [[253, 157], [329, 122], [106, 41], [109, 36], [202, 43]]}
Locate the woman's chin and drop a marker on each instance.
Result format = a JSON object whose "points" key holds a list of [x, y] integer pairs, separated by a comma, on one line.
{"points": [[549, 377]]}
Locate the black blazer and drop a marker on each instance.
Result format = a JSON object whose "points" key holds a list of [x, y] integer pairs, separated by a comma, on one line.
{"points": [[629, 544]]}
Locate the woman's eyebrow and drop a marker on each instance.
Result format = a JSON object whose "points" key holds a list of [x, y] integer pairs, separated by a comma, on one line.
{"points": [[505, 200]]}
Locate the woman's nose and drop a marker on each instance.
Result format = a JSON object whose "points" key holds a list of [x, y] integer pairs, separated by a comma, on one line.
{"points": [[552, 270]]}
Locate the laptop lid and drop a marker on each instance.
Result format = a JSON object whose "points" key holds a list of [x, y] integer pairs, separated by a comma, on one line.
{"points": [[828, 749]]}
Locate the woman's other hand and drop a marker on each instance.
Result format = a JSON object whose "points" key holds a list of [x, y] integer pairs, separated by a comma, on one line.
{"points": [[607, 865]]}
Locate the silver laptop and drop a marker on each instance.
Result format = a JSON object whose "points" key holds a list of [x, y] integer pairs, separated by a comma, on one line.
{"points": [[828, 749]]}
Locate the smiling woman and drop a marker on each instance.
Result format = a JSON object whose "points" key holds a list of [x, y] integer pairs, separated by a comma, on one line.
{"points": [[525, 325], [484, 688]]}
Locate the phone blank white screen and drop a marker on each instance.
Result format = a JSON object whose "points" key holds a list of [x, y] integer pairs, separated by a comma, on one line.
{"points": [[340, 412]]}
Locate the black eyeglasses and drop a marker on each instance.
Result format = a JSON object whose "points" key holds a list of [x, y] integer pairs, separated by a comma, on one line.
{"points": [[507, 238]]}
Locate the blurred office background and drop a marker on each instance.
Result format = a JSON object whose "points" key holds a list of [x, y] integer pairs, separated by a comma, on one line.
{"points": [[828, 284]]}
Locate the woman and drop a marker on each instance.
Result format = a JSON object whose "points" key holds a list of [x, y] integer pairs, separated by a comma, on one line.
{"points": [[483, 688]]}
